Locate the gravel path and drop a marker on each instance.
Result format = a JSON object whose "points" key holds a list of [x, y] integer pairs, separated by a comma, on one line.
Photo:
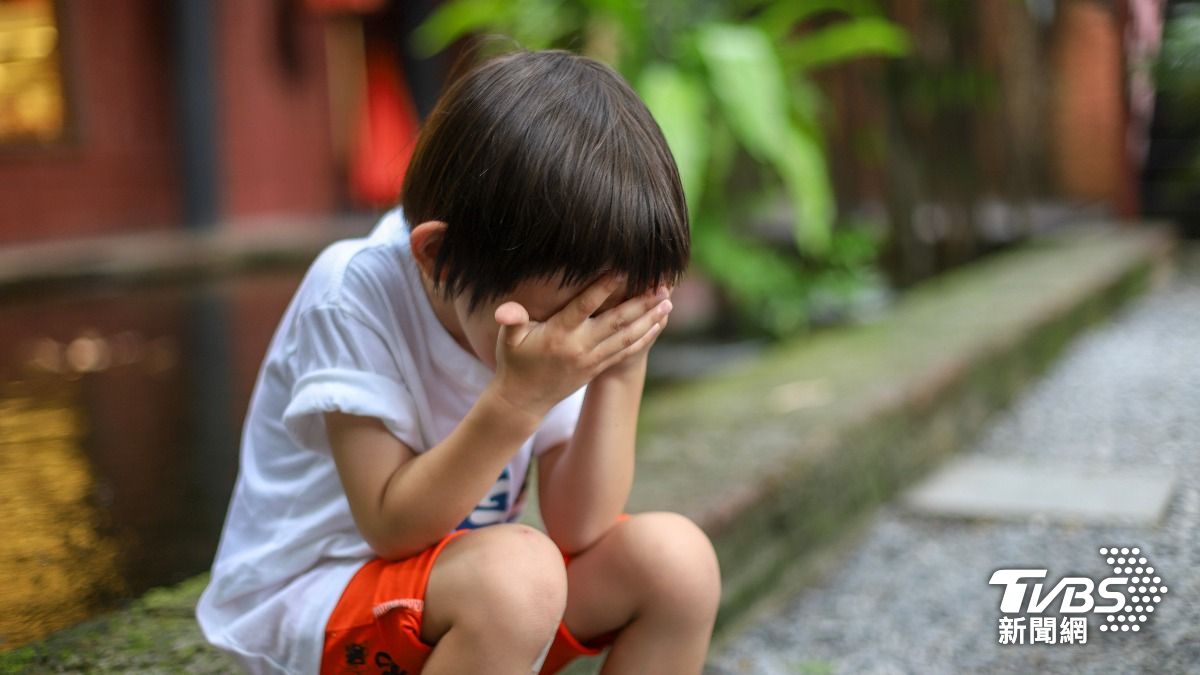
{"points": [[913, 595]]}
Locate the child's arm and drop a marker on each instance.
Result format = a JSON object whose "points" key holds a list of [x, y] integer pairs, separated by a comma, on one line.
{"points": [[403, 502], [583, 485]]}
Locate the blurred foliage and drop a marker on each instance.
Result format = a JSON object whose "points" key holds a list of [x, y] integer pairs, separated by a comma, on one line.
{"points": [[1177, 74], [1178, 69], [730, 83]]}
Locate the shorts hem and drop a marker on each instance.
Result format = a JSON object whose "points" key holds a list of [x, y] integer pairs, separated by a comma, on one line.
{"points": [[574, 643]]}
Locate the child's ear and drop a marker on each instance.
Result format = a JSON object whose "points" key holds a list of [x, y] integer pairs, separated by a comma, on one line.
{"points": [[425, 240]]}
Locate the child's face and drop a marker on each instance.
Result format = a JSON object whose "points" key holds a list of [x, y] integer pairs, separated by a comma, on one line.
{"points": [[541, 298]]}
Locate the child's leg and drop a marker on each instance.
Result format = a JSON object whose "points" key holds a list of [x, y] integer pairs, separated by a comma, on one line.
{"points": [[478, 601], [494, 600], [655, 578]]}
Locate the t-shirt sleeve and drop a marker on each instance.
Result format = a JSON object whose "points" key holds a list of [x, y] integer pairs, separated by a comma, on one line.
{"points": [[342, 362], [559, 424]]}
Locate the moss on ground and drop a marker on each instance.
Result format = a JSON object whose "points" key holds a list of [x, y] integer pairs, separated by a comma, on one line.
{"points": [[156, 634]]}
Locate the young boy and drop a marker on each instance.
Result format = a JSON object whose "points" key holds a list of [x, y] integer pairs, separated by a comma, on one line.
{"points": [[502, 315]]}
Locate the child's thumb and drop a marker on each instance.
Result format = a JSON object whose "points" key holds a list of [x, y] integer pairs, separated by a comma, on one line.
{"points": [[514, 322]]}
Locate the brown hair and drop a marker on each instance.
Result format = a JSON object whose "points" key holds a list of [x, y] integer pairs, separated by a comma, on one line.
{"points": [[544, 163]]}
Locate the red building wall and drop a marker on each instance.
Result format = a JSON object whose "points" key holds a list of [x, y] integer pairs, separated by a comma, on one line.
{"points": [[119, 172], [277, 155]]}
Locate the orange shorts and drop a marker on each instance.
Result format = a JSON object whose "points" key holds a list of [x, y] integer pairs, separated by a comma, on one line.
{"points": [[376, 625]]}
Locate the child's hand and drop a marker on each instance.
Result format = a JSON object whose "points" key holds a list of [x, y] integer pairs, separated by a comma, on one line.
{"points": [[540, 364], [634, 362]]}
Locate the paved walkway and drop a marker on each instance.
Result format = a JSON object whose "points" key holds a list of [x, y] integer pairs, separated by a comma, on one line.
{"points": [[913, 595]]}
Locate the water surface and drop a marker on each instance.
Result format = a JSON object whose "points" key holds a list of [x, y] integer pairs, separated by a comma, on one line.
{"points": [[120, 415]]}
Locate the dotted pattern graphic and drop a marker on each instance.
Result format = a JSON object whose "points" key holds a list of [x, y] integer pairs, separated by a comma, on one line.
{"points": [[1145, 590]]}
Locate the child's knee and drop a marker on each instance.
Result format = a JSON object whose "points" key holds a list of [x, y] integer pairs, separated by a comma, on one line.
{"points": [[508, 571], [677, 561]]}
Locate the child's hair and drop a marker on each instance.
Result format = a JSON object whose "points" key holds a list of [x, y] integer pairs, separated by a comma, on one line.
{"points": [[544, 163]]}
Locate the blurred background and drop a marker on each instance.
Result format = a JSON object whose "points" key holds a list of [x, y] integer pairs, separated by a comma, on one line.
{"points": [[834, 154]]}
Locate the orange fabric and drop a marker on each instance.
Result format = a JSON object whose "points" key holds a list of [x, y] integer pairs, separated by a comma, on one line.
{"points": [[376, 625]]}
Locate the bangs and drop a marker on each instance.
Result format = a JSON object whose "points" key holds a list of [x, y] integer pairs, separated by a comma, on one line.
{"points": [[545, 164]]}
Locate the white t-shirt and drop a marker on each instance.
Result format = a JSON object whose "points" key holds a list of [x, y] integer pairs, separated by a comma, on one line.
{"points": [[360, 336]]}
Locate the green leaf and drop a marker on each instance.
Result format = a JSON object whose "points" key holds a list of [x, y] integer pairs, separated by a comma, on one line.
{"points": [[532, 24], [802, 165], [456, 19], [1178, 67], [766, 285], [779, 18], [542, 24], [868, 36], [807, 102], [721, 146], [679, 105], [748, 80]]}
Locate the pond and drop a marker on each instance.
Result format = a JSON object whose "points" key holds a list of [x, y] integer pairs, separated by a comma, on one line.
{"points": [[120, 415]]}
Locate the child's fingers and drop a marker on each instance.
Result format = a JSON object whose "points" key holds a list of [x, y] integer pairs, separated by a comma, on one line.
{"points": [[514, 322], [511, 314], [617, 318], [636, 346], [587, 302], [630, 335]]}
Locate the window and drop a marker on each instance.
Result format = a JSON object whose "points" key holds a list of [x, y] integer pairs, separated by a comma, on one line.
{"points": [[32, 100]]}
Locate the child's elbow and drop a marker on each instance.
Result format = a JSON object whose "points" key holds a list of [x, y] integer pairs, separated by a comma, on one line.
{"points": [[396, 542]]}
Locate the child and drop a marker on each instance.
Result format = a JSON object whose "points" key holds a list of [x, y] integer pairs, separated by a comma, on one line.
{"points": [[502, 315]]}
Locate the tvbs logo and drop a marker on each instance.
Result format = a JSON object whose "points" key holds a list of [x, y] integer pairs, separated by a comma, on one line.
{"points": [[1125, 600]]}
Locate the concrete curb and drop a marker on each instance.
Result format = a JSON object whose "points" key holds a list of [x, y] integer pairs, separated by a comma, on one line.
{"points": [[779, 459], [170, 255]]}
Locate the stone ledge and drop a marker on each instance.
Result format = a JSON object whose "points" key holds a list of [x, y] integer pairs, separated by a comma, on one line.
{"points": [[174, 255], [778, 459]]}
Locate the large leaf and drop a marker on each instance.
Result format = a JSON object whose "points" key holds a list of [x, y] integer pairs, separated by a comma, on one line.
{"points": [[765, 284], [801, 163], [679, 104], [748, 80], [533, 24], [1178, 67], [867, 36], [456, 19]]}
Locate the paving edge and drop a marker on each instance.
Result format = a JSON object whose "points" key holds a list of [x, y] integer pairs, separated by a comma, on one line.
{"points": [[767, 534]]}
